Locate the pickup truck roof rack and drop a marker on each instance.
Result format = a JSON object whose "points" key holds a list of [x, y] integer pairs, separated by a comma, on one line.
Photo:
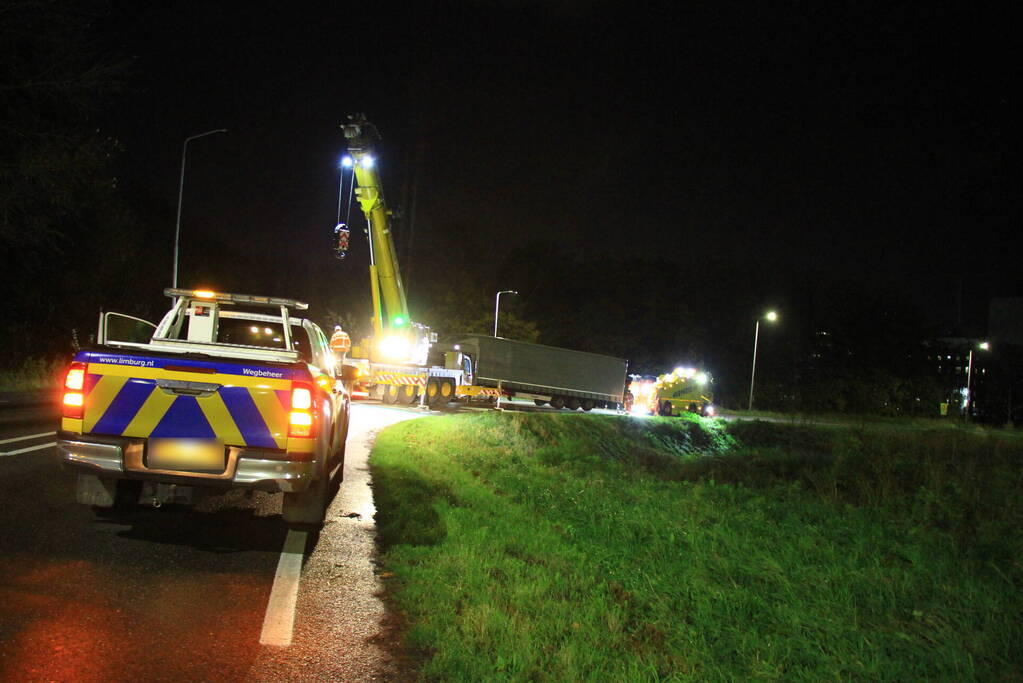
{"points": [[207, 295]]}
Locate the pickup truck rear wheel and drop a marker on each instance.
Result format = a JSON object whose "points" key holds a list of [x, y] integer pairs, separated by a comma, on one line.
{"points": [[309, 506]]}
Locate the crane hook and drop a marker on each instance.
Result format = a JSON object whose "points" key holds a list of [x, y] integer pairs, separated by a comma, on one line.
{"points": [[342, 232]]}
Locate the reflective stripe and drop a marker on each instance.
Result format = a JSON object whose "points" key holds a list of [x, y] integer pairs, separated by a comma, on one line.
{"points": [[340, 341], [125, 405], [152, 367], [220, 418], [273, 414], [215, 378], [123, 400], [247, 417], [184, 420], [471, 390], [150, 414], [102, 394], [392, 378]]}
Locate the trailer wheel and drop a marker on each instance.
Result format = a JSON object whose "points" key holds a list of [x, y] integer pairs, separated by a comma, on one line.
{"points": [[390, 394], [589, 404], [408, 394], [557, 402], [438, 392], [539, 402], [572, 403], [447, 391]]}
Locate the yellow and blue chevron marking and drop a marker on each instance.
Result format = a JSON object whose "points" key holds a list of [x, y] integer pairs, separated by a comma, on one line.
{"points": [[249, 409]]}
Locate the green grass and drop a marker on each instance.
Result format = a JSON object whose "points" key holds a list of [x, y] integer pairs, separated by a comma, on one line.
{"points": [[849, 419], [554, 547], [33, 373]]}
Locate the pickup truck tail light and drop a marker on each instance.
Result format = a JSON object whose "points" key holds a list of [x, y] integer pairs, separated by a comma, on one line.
{"points": [[301, 420], [73, 403]]}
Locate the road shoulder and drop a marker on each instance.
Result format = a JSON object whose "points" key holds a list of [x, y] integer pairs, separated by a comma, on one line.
{"points": [[342, 628]]}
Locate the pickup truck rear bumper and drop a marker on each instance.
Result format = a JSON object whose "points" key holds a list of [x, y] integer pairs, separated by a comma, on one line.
{"points": [[123, 458]]}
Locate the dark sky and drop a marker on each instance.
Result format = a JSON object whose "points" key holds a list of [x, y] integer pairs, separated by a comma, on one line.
{"points": [[876, 141]]}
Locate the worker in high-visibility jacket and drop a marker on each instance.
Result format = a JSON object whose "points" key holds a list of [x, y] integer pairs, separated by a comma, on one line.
{"points": [[340, 343]]}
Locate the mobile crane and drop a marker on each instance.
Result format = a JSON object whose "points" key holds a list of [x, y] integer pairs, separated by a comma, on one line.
{"points": [[402, 362], [394, 362], [385, 279]]}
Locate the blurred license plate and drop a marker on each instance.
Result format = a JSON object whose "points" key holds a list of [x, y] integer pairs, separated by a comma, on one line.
{"points": [[186, 454]]}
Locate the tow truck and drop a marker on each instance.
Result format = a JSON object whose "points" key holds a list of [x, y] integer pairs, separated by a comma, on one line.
{"points": [[684, 389], [228, 391], [404, 364]]}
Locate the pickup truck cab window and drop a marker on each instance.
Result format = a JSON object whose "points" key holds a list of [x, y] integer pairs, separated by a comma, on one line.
{"points": [[324, 356], [250, 333]]}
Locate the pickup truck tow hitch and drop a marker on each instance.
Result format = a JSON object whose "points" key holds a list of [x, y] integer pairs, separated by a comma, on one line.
{"points": [[158, 494]]}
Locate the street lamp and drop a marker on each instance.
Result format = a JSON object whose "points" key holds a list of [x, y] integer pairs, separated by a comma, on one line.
{"points": [[497, 305], [770, 316], [181, 189], [983, 346]]}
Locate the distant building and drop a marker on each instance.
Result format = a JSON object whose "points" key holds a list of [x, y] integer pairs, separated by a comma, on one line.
{"points": [[949, 359]]}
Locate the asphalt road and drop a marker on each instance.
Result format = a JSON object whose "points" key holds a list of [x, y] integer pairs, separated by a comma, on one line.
{"points": [[180, 593], [220, 591]]}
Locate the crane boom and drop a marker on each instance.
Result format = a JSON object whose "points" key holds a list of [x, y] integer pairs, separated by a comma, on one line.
{"points": [[390, 309]]}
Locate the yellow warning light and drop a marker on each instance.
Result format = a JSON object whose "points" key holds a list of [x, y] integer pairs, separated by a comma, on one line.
{"points": [[204, 294]]}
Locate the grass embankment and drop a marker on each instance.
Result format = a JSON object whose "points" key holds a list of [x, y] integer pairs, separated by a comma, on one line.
{"points": [[33, 373], [554, 547]]}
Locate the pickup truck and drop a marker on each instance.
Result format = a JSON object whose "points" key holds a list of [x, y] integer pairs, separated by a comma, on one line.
{"points": [[227, 391]]}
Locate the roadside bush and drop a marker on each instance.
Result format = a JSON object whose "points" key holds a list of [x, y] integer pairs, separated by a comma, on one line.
{"points": [[33, 373]]}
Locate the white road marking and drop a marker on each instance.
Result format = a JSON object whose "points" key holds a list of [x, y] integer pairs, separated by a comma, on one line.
{"points": [[280, 610], [30, 449], [26, 438]]}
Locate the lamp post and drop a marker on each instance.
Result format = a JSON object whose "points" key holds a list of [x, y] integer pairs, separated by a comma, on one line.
{"points": [[346, 162], [497, 305], [983, 346], [181, 190], [770, 316]]}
